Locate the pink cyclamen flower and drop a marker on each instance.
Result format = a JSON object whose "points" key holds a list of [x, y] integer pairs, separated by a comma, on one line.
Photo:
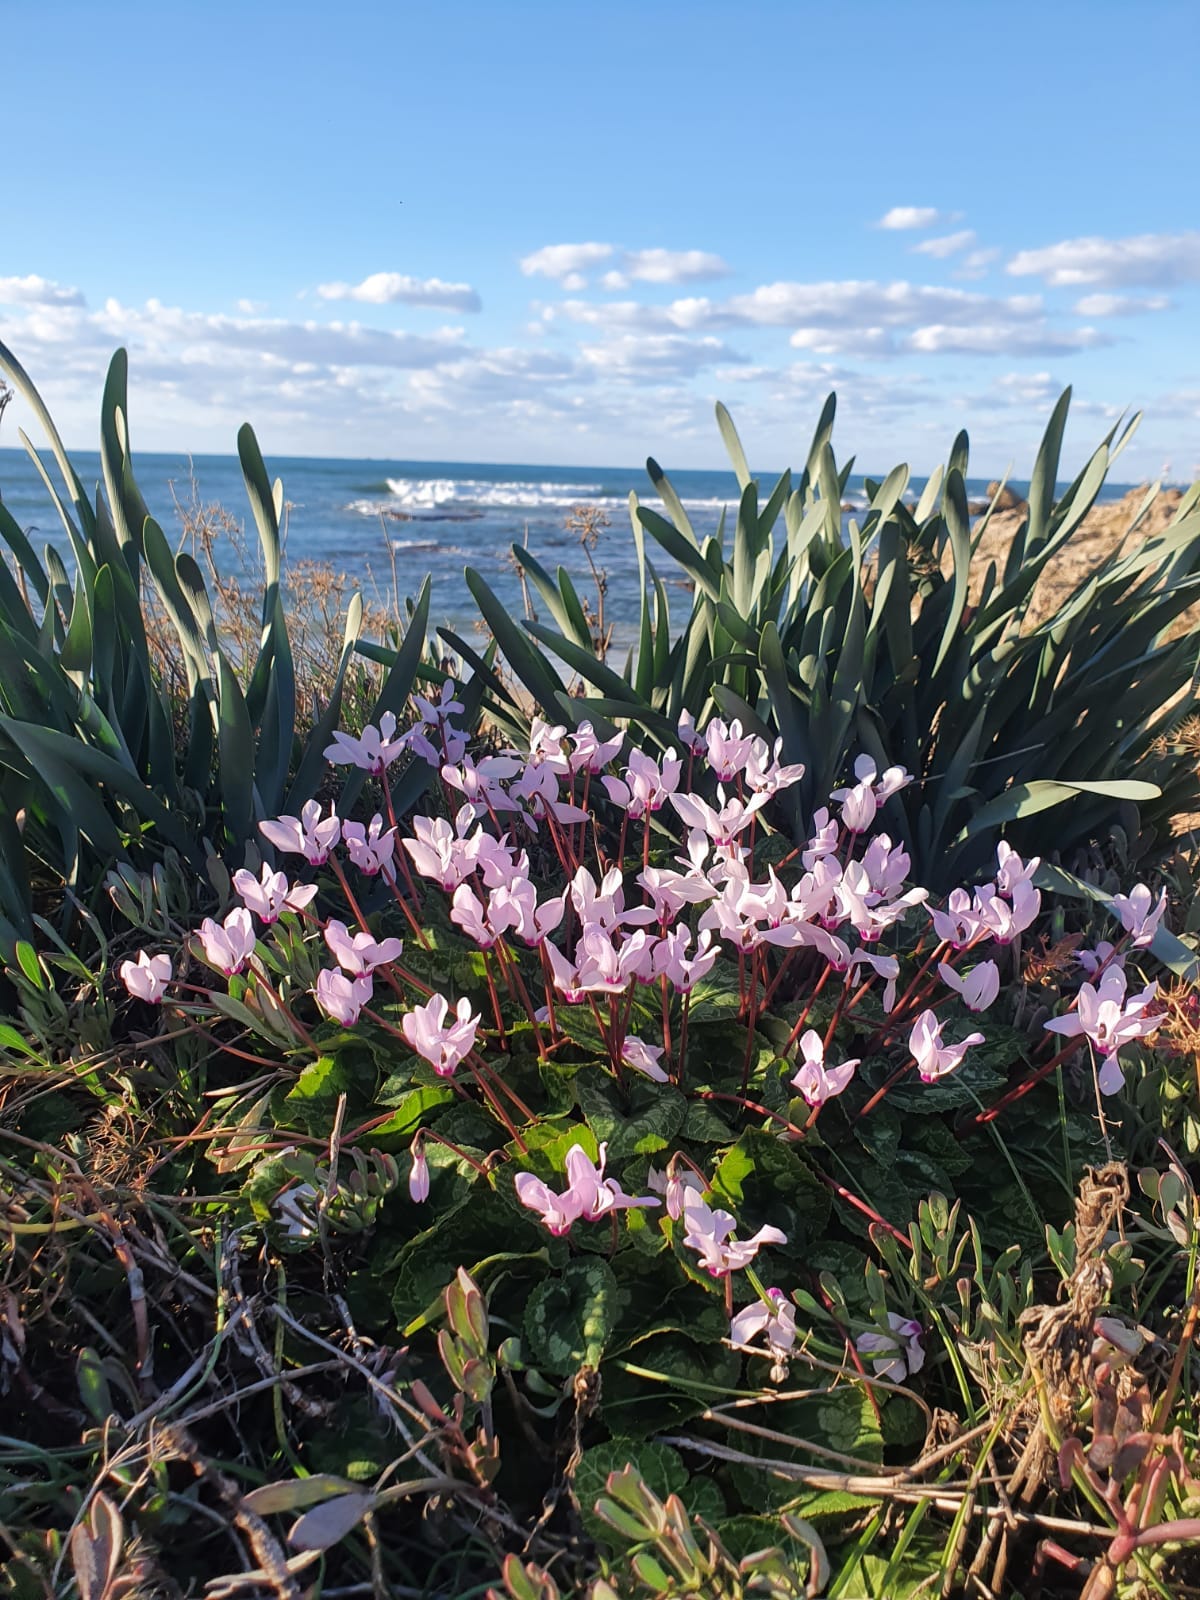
{"points": [[764, 772], [896, 1354], [958, 924], [590, 753], [589, 1194], [374, 751], [1002, 920], [228, 945], [816, 1082], [342, 997], [361, 952], [777, 1321], [444, 853], [1104, 955], [1109, 1019], [885, 967], [418, 1177], [1011, 869], [722, 826], [147, 977], [979, 987], [644, 1058], [1140, 915], [270, 893], [934, 1058], [710, 1233], [676, 1188], [645, 786], [728, 748], [444, 1045], [309, 835], [371, 849]]}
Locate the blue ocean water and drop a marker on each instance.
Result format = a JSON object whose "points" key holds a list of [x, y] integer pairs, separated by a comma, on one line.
{"points": [[435, 517]]}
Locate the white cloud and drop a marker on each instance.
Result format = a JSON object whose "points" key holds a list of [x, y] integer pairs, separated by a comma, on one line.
{"points": [[975, 263], [671, 266], [197, 339], [946, 244], [849, 304], [564, 260], [251, 308], [855, 303], [843, 341], [388, 288], [632, 355], [994, 339], [1146, 258], [1119, 305], [912, 217], [37, 291]]}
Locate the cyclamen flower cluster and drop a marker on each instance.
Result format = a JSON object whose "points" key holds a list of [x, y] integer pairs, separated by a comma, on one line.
{"points": [[601, 936]]}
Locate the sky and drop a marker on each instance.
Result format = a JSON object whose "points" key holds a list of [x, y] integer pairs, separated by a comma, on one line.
{"points": [[560, 232]]}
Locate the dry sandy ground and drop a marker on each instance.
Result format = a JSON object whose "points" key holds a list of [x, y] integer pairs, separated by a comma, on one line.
{"points": [[1103, 530]]}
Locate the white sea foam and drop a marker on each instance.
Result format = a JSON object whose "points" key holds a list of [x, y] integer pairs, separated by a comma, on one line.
{"points": [[428, 494]]}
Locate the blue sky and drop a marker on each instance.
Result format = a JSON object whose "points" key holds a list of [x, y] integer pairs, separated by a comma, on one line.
{"points": [[558, 232]]}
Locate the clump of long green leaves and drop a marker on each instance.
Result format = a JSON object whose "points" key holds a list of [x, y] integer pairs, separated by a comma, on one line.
{"points": [[98, 763], [836, 639]]}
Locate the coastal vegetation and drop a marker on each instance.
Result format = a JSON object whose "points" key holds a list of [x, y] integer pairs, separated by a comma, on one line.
{"points": [[479, 1116]]}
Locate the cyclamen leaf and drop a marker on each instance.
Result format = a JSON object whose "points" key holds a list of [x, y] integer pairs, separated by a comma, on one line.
{"points": [[569, 1320]]}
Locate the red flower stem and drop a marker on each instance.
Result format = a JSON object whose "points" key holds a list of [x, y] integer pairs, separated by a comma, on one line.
{"points": [[548, 982], [751, 1105], [774, 983], [683, 1035], [851, 1349], [428, 1134], [861, 1205], [1021, 1089], [494, 1077], [666, 1015], [229, 1049], [836, 1018], [880, 1093], [624, 833], [304, 1033], [513, 972], [751, 1019], [491, 1099], [400, 851], [803, 1017], [487, 968]]}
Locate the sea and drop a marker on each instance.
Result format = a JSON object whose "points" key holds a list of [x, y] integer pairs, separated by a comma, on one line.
{"points": [[386, 524]]}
